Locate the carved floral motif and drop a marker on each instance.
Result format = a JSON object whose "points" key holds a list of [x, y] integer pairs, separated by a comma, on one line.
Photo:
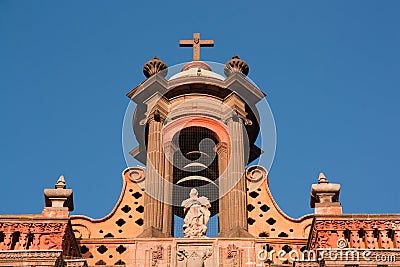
{"points": [[193, 258], [157, 255], [369, 233], [39, 236], [233, 255]]}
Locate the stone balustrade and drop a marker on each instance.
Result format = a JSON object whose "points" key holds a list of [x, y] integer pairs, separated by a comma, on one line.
{"points": [[355, 231], [36, 233]]}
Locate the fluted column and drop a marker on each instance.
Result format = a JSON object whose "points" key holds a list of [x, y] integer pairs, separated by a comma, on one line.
{"points": [[222, 152], [154, 185], [168, 217], [235, 201]]}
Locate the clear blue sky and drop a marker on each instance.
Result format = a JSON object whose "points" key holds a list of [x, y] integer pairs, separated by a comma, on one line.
{"points": [[330, 69]]}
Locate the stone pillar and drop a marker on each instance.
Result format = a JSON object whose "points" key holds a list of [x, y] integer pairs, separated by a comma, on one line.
{"points": [[23, 236], [222, 152], [325, 197], [8, 235], [154, 186], [168, 217], [58, 201], [233, 204]]}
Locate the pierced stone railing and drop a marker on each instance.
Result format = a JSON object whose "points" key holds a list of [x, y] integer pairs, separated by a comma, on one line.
{"points": [[28, 233], [355, 231]]}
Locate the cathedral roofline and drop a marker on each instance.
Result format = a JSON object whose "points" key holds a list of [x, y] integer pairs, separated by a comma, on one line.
{"points": [[252, 91]]}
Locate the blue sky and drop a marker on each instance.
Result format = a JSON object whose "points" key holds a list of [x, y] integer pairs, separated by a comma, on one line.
{"points": [[330, 69]]}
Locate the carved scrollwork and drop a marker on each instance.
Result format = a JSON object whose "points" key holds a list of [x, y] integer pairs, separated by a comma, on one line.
{"points": [[356, 224], [182, 254], [51, 241], [136, 174], [256, 174], [375, 233], [208, 253], [81, 231], [157, 255], [233, 254]]}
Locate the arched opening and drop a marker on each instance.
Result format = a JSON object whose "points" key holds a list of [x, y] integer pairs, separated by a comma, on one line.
{"points": [[195, 165]]}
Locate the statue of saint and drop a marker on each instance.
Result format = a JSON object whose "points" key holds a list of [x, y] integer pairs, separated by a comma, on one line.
{"points": [[196, 215]]}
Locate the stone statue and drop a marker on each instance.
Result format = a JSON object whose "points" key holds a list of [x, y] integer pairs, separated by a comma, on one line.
{"points": [[196, 215]]}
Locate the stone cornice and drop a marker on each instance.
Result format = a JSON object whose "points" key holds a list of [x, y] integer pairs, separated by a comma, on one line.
{"points": [[34, 227], [30, 254], [237, 82]]}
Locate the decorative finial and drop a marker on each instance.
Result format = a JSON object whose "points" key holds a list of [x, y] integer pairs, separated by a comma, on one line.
{"points": [[196, 43], [154, 66], [59, 201], [236, 65], [322, 179], [324, 198], [61, 183]]}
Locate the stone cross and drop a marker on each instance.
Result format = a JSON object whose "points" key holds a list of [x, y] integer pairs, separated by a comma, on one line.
{"points": [[196, 43]]}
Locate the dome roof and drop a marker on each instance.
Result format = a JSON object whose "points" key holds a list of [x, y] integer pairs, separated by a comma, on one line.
{"points": [[197, 68]]}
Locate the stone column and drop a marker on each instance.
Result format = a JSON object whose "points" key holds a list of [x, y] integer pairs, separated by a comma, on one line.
{"points": [[233, 204], [222, 152], [153, 207], [23, 236], [168, 217]]}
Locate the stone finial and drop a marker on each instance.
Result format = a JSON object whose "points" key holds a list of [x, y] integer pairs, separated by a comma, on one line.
{"points": [[154, 66], [322, 179], [325, 197], [236, 65], [61, 183], [58, 201]]}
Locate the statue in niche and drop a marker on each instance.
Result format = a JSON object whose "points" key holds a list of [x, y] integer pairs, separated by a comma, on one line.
{"points": [[197, 214]]}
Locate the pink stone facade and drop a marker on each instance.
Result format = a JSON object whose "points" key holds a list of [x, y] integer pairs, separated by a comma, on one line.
{"points": [[173, 116]]}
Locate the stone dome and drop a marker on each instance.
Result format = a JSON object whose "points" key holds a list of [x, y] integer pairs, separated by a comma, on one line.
{"points": [[197, 68]]}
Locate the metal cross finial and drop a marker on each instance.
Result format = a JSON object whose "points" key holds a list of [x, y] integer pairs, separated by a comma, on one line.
{"points": [[196, 43]]}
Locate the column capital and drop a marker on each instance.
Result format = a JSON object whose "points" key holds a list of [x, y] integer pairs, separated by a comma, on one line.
{"points": [[221, 148], [157, 115], [237, 116]]}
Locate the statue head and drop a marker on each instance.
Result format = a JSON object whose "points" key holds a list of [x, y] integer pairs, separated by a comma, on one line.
{"points": [[194, 193]]}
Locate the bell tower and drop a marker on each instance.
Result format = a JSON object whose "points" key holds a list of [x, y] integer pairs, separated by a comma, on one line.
{"points": [[196, 128]]}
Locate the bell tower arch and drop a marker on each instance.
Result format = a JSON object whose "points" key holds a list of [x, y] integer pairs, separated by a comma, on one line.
{"points": [[196, 130]]}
